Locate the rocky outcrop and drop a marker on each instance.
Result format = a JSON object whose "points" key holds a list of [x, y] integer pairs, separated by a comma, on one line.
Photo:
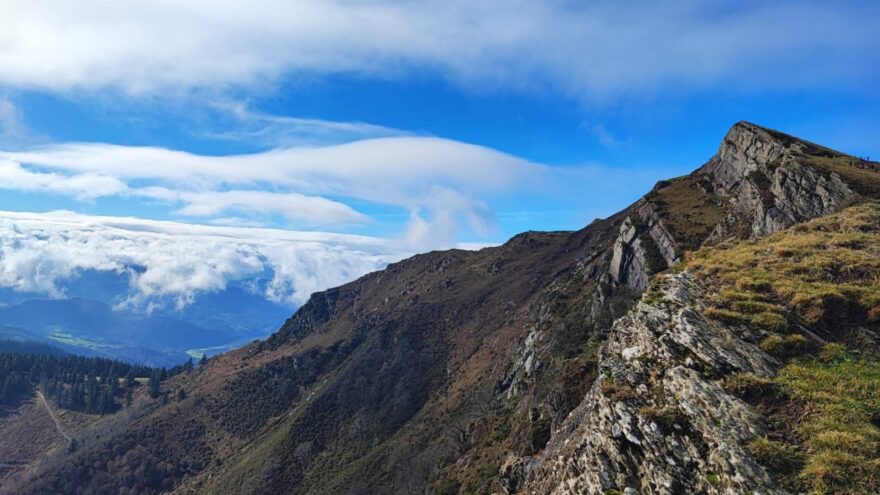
{"points": [[628, 261], [657, 420], [768, 185], [663, 240], [642, 248]]}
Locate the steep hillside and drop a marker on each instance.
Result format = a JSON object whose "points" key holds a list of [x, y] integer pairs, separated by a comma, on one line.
{"points": [[754, 370], [466, 372]]}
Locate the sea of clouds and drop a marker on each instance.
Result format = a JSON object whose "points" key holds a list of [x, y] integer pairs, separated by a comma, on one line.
{"points": [[162, 260]]}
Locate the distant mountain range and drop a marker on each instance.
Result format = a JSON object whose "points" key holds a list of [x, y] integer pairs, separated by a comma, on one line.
{"points": [[91, 321]]}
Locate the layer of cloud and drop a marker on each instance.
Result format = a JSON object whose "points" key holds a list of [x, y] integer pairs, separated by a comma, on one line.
{"points": [[12, 124], [14, 129], [440, 182], [373, 168], [586, 49], [175, 261], [277, 131], [85, 186]]}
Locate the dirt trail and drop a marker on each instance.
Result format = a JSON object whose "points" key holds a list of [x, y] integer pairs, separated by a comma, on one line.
{"points": [[54, 418]]}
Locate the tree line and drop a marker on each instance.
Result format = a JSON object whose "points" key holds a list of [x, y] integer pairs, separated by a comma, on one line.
{"points": [[89, 384]]}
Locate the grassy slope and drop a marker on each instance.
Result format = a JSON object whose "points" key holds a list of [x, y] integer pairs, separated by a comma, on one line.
{"points": [[687, 211], [865, 181], [467, 320], [813, 292]]}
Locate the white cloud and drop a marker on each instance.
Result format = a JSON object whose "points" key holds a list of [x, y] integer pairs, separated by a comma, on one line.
{"points": [[84, 186], [436, 180], [296, 206], [11, 121], [372, 167], [306, 210], [605, 137], [40, 252], [14, 130], [276, 131], [588, 50]]}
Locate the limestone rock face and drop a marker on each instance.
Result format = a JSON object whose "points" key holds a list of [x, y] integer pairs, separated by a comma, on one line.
{"points": [[654, 422], [761, 177], [627, 259], [768, 186], [642, 248], [663, 240]]}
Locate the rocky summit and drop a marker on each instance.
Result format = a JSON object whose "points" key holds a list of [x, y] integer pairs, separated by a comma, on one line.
{"points": [[718, 336]]}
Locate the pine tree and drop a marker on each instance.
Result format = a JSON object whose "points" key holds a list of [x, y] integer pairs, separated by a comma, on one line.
{"points": [[154, 385]]}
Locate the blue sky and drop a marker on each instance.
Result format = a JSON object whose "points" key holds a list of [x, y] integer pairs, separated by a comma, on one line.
{"points": [[426, 123]]}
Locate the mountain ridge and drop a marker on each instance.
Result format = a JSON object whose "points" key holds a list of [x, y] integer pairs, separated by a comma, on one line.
{"points": [[451, 372]]}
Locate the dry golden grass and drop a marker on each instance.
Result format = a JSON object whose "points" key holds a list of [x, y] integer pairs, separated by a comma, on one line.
{"points": [[822, 272], [864, 180], [687, 211], [823, 275], [842, 441]]}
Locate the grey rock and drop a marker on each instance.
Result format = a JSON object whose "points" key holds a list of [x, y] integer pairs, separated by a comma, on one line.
{"points": [[514, 472], [767, 185], [655, 422]]}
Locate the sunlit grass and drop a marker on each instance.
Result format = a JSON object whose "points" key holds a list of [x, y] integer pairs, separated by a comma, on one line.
{"points": [[822, 272], [823, 275], [842, 439]]}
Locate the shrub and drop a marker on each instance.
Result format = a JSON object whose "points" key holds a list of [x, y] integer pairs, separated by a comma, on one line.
{"points": [[767, 320], [713, 478], [833, 353], [450, 486], [617, 391]]}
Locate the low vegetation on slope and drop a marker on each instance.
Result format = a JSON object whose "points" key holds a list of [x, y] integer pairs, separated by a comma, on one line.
{"points": [[688, 211], [813, 294]]}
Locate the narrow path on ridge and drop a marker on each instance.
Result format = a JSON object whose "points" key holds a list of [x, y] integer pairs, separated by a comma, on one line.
{"points": [[54, 418]]}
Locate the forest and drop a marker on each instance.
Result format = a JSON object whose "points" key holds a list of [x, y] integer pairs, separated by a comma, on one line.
{"points": [[88, 384]]}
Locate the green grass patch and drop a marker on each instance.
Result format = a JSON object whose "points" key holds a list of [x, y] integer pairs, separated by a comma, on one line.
{"points": [[841, 435], [778, 456], [785, 346], [67, 338], [749, 387], [824, 405]]}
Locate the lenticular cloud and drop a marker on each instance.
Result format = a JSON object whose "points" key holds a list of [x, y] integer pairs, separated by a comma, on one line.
{"points": [[173, 261]]}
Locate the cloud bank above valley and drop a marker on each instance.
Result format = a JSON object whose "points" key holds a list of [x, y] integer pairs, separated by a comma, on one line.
{"points": [[170, 262], [438, 182]]}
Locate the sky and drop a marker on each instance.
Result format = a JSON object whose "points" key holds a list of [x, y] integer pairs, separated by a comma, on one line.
{"points": [[416, 124]]}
